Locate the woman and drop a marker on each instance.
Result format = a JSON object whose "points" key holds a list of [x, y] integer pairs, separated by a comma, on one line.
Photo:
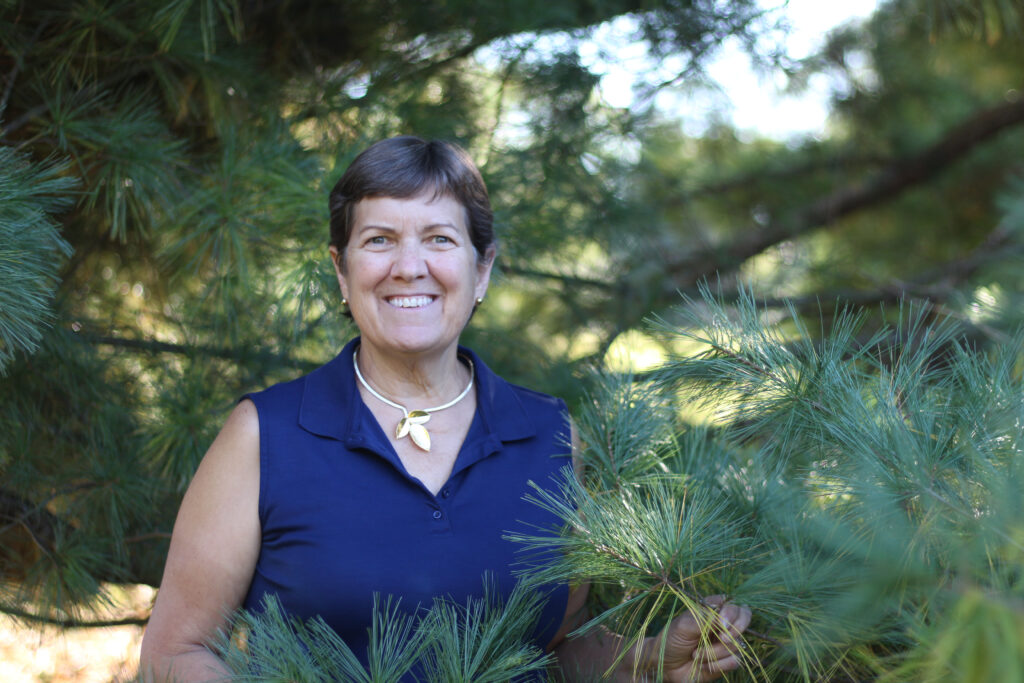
{"points": [[397, 467]]}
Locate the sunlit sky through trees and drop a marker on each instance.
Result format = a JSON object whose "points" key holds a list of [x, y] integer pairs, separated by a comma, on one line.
{"points": [[753, 100], [756, 102]]}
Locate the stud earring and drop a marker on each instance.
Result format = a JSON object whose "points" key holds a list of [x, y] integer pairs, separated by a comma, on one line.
{"points": [[344, 301], [479, 300]]}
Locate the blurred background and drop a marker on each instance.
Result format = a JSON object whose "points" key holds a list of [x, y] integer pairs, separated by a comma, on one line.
{"points": [[164, 169]]}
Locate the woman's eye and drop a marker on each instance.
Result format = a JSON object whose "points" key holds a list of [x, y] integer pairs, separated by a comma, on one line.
{"points": [[441, 239], [377, 239]]}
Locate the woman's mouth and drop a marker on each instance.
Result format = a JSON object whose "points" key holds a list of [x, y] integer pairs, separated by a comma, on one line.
{"points": [[410, 301]]}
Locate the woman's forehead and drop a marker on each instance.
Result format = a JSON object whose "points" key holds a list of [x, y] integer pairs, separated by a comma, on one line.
{"points": [[424, 207]]}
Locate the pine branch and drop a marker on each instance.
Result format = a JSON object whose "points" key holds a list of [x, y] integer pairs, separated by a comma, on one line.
{"points": [[152, 535], [570, 280], [662, 579], [745, 181], [40, 523], [85, 92], [764, 372], [685, 271], [224, 352], [67, 622], [487, 639], [31, 248]]}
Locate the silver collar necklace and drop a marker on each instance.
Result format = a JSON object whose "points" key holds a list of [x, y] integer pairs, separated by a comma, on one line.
{"points": [[413, 420]]}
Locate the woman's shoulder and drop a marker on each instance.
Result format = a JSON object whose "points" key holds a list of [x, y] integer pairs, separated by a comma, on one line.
{"points": [[285, 390], [289, 392]]}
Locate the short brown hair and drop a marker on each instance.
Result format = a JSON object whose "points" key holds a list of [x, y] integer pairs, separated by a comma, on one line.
{"points": [[406, 166]]}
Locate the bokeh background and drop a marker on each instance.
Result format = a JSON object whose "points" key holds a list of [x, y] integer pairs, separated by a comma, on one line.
{"points": [[164, 168]]}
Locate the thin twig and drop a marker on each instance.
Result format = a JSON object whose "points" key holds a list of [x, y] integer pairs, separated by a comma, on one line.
{"points": [[73, 623], [41, 505], [229, 353], [147, 537], [564, 279]]}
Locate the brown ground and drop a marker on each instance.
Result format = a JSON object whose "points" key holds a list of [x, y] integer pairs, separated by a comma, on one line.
{"points": [[87, 655]]}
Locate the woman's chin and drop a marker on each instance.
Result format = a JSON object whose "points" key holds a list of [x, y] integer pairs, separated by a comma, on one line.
{"points": [[410, 342]]}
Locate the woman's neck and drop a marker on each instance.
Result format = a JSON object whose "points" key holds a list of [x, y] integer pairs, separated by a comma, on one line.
{"points": [[419, 380]]}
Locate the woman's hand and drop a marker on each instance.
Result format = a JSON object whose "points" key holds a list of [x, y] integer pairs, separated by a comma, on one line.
{"points": [[697, 649]]}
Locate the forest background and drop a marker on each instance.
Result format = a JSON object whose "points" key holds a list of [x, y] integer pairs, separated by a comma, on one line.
{"points": [[163, 174]]}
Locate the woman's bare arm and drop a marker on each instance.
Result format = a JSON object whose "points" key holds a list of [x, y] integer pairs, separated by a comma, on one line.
{"points": [[213, 553]]}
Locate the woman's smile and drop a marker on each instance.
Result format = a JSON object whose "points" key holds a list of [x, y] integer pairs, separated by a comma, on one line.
{"points": [[410, 301]]}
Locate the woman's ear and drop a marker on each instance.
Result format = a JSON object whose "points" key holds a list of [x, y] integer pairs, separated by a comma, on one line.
{"points": [[484, 266], [338, 259]]}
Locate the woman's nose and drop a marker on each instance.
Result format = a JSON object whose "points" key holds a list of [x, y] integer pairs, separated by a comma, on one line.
{"points": [[410, 262]]}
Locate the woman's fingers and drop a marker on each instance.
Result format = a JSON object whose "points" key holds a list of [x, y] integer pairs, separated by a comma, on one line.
{"points": [[733, 621], [725, 621], [709, 670], [701, 647], [715, 652], [702, 670]]}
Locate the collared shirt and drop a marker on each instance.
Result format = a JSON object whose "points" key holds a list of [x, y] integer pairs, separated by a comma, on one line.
{"points": [[342, 520]]}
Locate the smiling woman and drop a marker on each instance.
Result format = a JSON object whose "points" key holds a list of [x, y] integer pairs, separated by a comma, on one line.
{"points": [[312, 495]]}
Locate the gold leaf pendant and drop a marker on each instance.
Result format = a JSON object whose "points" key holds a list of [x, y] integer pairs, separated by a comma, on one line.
{"points": [[420, 436], [412, 424]]}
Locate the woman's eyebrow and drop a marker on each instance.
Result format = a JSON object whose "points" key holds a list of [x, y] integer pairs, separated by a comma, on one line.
{"points": [[375, 226], [389, 228]]}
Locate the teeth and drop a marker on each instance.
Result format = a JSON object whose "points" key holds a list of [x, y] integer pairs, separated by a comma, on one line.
{"points": [[410, 301]]}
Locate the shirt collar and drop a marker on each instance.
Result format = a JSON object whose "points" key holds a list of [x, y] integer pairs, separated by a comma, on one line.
{"points": [[332, 407]]}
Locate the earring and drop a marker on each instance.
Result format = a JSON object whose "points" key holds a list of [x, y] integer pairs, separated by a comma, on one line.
{"points": [[479, 300], [344, 301]]}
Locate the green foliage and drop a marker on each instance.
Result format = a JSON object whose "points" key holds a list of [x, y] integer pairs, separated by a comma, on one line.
{"points": [[626, 427], [31, 249], [862, 495], [988, 20], [70, 511], [170, 17], [486, 641], [277, 647]]}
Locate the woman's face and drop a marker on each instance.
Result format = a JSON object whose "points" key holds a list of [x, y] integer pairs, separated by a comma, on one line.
{"points": [[410, 273]]}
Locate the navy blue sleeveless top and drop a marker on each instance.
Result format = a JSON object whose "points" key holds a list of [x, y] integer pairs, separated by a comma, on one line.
{"points": [[342, 519]]}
